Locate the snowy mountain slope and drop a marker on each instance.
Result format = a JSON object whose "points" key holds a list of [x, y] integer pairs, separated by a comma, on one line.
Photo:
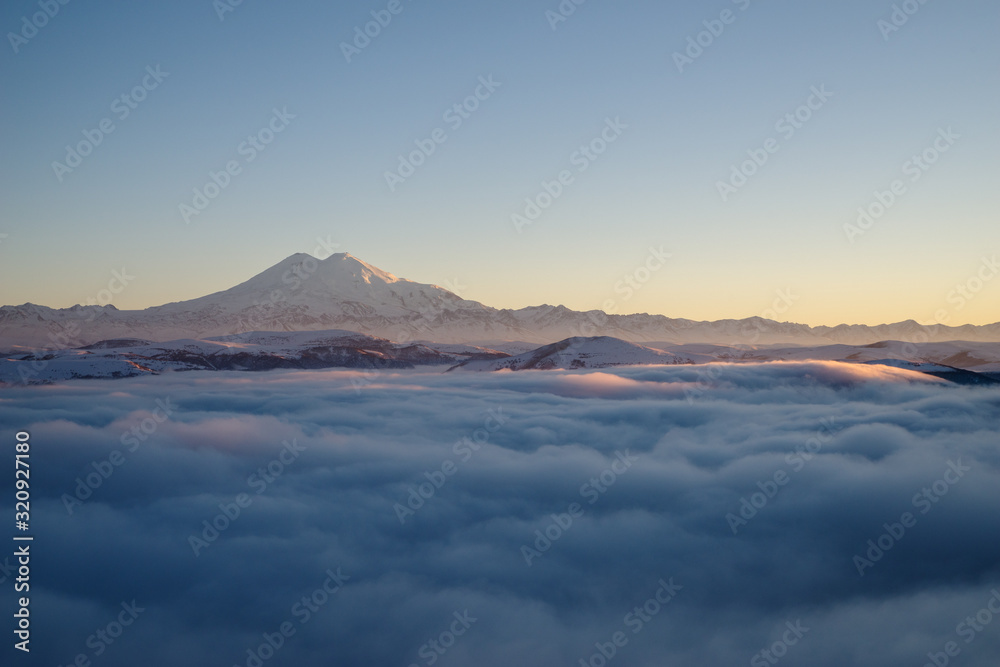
{"points": [[302, 293], [596, 352], [298, 294], [257, 351], [339, 286], [950, 373], [604, 352], [958, 361], [252, 351], [969, 355]]}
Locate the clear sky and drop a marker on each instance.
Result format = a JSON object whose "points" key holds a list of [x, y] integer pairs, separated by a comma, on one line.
{"points": [[681, 126]]}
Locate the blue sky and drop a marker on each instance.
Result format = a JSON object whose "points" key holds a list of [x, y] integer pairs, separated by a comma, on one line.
{"points": [[656, 185]]}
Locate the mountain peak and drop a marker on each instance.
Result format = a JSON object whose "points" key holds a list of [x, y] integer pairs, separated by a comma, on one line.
{"points": [[303, 292], [345, 261], [341, 291], [341, 266]]}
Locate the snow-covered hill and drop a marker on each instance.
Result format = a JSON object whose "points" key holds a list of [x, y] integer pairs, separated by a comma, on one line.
{"points": [[957, 361], [302, 293], [604, 352], [596, 352], [253, 351], [964, 363], [950, 373], [975, 356]]}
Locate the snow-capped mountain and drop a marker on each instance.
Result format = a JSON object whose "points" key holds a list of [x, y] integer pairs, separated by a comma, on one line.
{"points": [[299, 293], [302, 293], [341, 286]]}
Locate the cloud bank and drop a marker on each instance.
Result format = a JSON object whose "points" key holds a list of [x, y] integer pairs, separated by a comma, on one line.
{"points": [[810, 513]]}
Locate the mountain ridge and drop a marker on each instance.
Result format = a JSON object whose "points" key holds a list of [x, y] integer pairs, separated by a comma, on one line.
{"points": [[303, 293]]}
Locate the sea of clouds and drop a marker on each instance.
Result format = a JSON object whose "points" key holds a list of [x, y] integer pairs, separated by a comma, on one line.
{"points": [[818, 514]]}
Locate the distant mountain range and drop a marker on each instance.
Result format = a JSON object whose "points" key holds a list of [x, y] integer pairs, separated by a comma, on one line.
{"points": [[342, 292], [964, 363]]}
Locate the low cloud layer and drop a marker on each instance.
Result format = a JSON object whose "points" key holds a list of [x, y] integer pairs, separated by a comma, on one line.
{"points": [[828, 514]]}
